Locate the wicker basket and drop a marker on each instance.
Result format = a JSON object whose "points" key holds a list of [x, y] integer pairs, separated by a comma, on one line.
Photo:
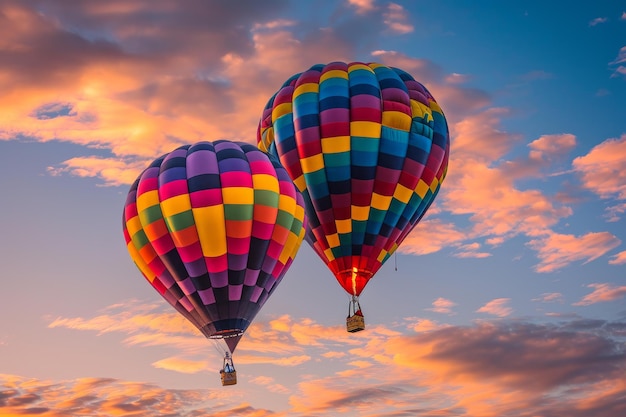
{"points": [[229, 378], [355, 323]]}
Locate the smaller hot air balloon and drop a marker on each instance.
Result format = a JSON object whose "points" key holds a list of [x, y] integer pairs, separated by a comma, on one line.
{"points": [[214, 227], [368, 147]]}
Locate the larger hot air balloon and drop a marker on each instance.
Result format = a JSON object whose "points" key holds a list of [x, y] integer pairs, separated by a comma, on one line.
{"points": [[214, 228], [368, 147]]}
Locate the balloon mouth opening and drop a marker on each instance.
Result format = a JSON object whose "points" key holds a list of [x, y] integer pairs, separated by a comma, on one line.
{"points": [[225, 334]]}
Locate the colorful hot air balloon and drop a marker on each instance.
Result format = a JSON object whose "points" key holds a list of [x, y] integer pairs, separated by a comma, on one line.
{"points": [[214, 228], [368, 147]]}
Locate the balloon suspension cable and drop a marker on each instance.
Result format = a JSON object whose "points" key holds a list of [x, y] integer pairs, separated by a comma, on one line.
{"points": [[354, 306], [218, 347]]}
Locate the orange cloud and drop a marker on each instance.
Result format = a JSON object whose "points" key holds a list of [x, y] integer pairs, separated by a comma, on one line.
{"points": [[424, 325], [442, 305], [103, 397], [182, 365], [488, 369], [602, 293], [618, 259], [556, 251], [431, 235], [362, 6], [603, 169], [497, 307]]}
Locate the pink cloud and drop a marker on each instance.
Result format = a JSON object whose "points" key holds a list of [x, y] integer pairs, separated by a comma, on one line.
{"points": [[613, 213], [597, 21], [603, 169], [471, 250], [556, 251], [548, 145], [397, 19], [497, 307], [618, 259], [550, 297], [602, 293], [271, 384], [621, 56], [479, 136]]}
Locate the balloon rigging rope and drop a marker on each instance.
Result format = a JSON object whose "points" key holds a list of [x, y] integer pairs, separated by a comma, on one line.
{"points": [[217, 347]]}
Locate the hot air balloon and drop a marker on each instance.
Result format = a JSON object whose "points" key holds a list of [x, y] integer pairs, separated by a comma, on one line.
{"points": [[368, 147], [214, 227]]}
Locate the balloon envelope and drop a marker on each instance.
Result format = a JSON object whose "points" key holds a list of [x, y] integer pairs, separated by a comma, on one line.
{"points": [[368, 147], [214, 228]]}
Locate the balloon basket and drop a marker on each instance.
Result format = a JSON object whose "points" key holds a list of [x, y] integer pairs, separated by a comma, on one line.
{"points": [[355, 323], [228, 378]]}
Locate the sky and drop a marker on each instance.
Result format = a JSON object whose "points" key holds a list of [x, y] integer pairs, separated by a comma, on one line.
{"points": [[508, 299]]}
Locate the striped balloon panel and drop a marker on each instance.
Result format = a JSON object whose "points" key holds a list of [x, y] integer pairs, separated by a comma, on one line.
{"points": [[214, 227], [368, 147]]}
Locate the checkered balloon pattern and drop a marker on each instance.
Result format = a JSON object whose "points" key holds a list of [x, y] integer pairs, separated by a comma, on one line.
{"points": [[368, 147], [214, 227]]}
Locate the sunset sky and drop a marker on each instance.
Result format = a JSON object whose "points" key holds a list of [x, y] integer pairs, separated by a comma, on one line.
{"points": [[508, 299]]}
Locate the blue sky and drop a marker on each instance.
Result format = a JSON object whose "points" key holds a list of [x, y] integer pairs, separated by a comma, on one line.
{"points": [[507, 299]]}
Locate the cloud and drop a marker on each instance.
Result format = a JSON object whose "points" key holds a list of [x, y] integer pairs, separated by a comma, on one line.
{"points": [[549, 145], [491, 369], [481, 187], [270, 384], [494, 205], [105, 397], [281, 341], [112, 171], [471, 250], [497, 307], [597, 21], [621, 56], [603, 169], [613, 213], [181, 365], [113, 80], [537, 75], [397, 19], [362, 6], [424, 325], [430, 236], [619, 258], [555, 251], [602, 293], [620, 70], [550, 297], [443, 306]]}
